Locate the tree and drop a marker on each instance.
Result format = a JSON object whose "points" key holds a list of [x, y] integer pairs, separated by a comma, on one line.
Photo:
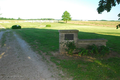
{"points": [[66, 16], [119, 16], [118, 24], [0, 13], [106, 5], [19, 18]]}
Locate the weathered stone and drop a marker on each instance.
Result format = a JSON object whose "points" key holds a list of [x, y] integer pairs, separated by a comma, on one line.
{"points": [[62, 39], [85, 42], [72, 35]]}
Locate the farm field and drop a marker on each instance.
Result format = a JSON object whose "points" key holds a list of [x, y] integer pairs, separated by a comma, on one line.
{"points": [[96, 23], [45, 41]]}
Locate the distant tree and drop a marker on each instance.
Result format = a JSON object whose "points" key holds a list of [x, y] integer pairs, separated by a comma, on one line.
{"points": [[106, 5], [19, 18], [66, 16], [0, 14]]}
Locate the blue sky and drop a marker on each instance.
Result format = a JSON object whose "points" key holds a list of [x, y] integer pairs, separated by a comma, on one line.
{"points": [[78, 9]]}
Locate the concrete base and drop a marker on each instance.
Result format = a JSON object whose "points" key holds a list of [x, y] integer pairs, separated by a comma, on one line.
{"points": [[85, 42]]}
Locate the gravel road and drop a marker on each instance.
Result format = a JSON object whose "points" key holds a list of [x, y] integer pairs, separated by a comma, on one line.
{"points": [[19, 62]]}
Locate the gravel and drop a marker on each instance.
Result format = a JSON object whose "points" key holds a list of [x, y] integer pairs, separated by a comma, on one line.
{"points": [[19, 62]]}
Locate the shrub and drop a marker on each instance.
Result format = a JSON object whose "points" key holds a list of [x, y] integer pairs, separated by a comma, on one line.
{"points": [[90, 50], [83, 51], [48, 25], [16, 27], [70, 47], [98, 50], [94, 50], [117, 26]]}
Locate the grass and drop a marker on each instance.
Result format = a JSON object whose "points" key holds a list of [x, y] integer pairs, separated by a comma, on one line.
{"points": [[97, 23], [46, 39], [3, 39], [96, 70]]}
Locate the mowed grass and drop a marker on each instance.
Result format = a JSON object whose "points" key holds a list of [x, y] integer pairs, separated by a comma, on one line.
{"points": [[46, 39]]}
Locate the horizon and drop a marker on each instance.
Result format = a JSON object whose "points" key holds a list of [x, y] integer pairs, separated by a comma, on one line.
{"points": [[45, 19], [78, 9]]}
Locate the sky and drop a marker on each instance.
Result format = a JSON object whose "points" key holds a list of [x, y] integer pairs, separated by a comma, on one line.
{"points": [[78, 9]]}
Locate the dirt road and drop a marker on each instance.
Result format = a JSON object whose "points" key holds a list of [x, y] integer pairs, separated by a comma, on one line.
{"points": [[19, 62]]}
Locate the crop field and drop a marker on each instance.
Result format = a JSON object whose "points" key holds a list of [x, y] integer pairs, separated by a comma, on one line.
{"points": [[97, 23], [46, 39]]}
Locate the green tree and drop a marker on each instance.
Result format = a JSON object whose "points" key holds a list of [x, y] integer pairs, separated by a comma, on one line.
{"points": [[106, 5], [118, 24], [66, 16], [119, 16], [19, 18]]}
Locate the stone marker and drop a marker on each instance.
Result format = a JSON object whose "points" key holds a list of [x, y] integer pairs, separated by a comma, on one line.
{"points": [[72, 35], [67, 35]]}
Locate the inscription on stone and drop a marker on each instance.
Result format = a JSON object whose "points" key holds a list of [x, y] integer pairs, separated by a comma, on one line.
{"points": [[69, 36]]}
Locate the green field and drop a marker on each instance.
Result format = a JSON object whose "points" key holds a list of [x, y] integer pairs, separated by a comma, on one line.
{"points": [[46, 39]]}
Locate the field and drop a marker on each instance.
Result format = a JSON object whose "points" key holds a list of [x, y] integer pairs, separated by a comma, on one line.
{"points": [[45, 41]]}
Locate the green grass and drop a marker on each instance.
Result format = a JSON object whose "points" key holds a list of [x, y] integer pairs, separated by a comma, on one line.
{"points": [[41, 39], [3, 39], [96, 70], [46, 39], [91, 69]]}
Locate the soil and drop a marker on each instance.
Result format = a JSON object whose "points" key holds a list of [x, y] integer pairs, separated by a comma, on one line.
{"points": [[91, 58], [19, 62]]}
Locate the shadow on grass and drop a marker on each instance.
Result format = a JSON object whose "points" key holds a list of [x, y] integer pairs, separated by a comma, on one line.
{"points": [[49, 38]]}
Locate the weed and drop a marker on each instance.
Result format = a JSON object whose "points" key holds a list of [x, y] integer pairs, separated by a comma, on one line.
{"points": [[70, 47], [104, 50], [90, 50], [98, 50], [83, 52]]}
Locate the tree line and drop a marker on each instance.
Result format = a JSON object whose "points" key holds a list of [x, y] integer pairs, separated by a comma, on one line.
{"points": [[2, 18]]}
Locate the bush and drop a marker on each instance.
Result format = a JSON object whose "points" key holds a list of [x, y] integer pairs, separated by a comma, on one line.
{"points": [[83, 51], [90, 50], [98, 50], [48, 25], [70, 47], [117, 26], [16, 27], [94, 50]]}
